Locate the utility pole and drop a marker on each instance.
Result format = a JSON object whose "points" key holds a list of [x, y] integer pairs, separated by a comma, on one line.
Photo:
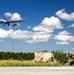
{"points": [[12, 48]]}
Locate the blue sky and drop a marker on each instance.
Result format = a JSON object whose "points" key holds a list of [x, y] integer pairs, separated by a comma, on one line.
{"points": [[49, 25]]}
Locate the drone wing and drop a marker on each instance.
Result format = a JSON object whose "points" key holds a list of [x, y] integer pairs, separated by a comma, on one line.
{"points": [[13, 21], [2, 22]]}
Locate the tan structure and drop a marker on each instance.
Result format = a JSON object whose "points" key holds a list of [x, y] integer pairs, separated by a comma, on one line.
{"points": [[43, 57]]}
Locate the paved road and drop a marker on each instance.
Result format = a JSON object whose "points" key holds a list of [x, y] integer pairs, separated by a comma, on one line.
{"points": [[37, 70]]}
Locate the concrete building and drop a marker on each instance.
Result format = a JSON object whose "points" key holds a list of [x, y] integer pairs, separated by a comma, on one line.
{"points": [[43, 57]]}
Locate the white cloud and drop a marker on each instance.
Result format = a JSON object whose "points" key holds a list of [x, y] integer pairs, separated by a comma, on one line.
{"points": [[64, 37], [64, 33], [27, 36], [29, 27], [52, 22], [31, 37], [40, 33], [14, 16], [63, 15], [43, 29], [19, 34], [49, 24], [72, 25], [8, 14], [35, 41], [39, 37], [62, 43], [5, 33]]}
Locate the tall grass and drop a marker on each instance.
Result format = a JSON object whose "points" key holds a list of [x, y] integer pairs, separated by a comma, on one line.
{"points": [[26, 63]]}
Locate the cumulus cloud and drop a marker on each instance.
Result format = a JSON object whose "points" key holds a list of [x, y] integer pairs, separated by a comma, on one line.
{"points": [[14, 16], [64, 37], [31, 37], [39, 37], [19, 34], [8, 14], [48, 25], [63, 15], [62, 42], [43, 29], [5, 33], [41, 32], [72, 25], [64, 33], [52, 22], [27, 36]]}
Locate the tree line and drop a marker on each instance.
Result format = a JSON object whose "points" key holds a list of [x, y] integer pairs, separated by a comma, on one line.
{"points": [[59, 55], [16, 56]]}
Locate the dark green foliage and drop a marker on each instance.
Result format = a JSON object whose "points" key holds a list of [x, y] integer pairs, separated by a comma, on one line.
{"points": [[7, 55], [16, 56], [29, 56], [44, 51], [60, 56], [2, 55]]}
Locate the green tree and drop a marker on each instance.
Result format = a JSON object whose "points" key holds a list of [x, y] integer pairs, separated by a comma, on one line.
{"points": [[60, 56], [44, 51], [2, 55], [29, 56]]}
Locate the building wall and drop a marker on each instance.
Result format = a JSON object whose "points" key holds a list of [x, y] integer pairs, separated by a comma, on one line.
{"points": [[43, 57]]}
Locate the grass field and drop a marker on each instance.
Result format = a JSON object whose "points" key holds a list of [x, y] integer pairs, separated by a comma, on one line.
{"points": [[26, 63]]}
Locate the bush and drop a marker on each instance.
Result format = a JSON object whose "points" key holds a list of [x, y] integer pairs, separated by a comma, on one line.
{"points": [[26, 63]]}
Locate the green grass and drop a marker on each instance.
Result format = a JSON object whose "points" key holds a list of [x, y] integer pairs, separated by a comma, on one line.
{"points": [[26, 63]]}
